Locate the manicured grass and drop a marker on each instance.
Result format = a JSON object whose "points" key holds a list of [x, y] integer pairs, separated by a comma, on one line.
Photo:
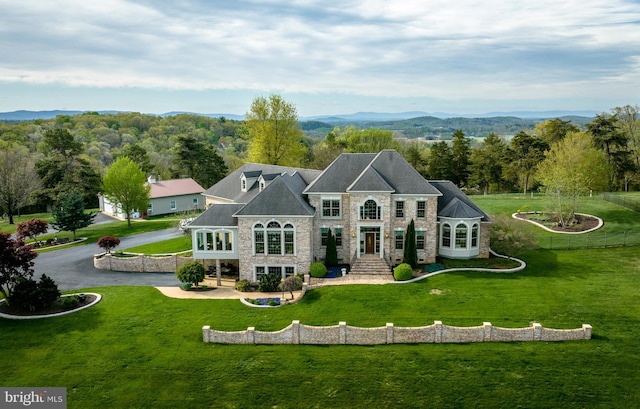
{"points": [[5, 227], [618, 219], [176, 245], [137, 348], [116, 229]]}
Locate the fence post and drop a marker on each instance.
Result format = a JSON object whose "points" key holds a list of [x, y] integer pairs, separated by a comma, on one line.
{"points": [[343, 332], [390, 333]]}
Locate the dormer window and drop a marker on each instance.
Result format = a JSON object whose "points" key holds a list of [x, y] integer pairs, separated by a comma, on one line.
{"points": [[243, 183], [262, 185]]}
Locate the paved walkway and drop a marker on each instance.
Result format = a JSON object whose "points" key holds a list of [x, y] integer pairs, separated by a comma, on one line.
{"points": [[225, 291]]}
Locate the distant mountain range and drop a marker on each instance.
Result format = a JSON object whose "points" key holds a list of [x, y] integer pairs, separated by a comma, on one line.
{"points": [[358, 116]]}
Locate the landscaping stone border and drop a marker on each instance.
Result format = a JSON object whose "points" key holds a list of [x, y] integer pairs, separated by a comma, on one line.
{"points": [[542, 226], [343, 334], [58, 314]]}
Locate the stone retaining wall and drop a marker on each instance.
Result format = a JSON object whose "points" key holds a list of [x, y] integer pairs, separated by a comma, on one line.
{"points": [[343, 334], [140, 263]]}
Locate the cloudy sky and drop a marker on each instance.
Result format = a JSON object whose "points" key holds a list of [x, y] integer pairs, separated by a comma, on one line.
{"points": [[326, 57]]}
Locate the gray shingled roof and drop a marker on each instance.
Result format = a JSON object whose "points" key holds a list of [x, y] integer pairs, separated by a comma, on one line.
{"points": [[282, 197], [370, 181], [450, 192], [230, 188], [218, 215], [353, 172], [341, 173]]}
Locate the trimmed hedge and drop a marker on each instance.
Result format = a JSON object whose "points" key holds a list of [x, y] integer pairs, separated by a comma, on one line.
{"points": [[403, 272], [318, 270]]}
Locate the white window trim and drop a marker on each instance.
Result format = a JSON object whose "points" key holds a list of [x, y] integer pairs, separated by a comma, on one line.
{"points": [[379, 206], [214, 233], [265, 230], [331, 198], [282, 268]]}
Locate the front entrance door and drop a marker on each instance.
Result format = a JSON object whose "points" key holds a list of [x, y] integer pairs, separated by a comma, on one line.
{"points": [[370, 243]]}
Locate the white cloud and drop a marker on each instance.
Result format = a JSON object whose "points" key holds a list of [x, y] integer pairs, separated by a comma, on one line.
{"points": [[437, 49]]}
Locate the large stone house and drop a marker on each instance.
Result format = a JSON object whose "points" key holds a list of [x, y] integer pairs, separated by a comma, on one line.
{"points": [[266, 218]]}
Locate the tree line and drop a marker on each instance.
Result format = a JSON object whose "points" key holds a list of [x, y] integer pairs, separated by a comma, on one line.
{"points": [[42, 159]]}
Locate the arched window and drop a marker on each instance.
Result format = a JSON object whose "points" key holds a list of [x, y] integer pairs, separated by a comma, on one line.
{"points": [[461, 236], [219, 240], [446, 235], [275, 239], [474, 235], [258, 238], [370, 210], [289, 239]]}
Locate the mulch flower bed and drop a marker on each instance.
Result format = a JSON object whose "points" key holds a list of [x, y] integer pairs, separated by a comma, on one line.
{"points": [[583, 222], [54, 309]]}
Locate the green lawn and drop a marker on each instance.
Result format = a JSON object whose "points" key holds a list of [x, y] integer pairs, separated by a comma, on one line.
{"points": [[176, 245], [138, 349]]}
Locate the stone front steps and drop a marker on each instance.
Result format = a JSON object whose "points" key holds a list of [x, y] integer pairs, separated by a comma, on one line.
{"points": [[371, 267]]}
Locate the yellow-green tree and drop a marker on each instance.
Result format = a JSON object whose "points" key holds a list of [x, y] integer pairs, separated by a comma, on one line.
{"points": [[275, 136], [572, 168], [124, 185]]}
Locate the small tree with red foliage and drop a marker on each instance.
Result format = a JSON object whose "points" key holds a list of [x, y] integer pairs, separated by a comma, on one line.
{"points": [[31, 229], [108, 243], [16, 262]]}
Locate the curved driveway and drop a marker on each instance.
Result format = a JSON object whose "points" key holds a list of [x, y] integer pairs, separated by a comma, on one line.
{"points": [[72, 268]]}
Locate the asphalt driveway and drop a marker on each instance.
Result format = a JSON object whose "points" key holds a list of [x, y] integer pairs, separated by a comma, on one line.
{"points": [[72, 268]]}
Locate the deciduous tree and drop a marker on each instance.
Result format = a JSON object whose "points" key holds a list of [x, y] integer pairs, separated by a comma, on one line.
{"points": [[31, 229], [108, 243], [191, 272], [124, 184], [274, 134], [511, 237], [16, 262], [571, 169], [18, 180]]}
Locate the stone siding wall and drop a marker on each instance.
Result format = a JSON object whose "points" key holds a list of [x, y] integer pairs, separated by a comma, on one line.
{"points": [[140, 263], [247, 259], [343, 334]]}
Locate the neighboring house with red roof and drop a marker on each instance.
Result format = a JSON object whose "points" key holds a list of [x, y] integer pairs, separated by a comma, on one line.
{"points": [[167, 196], [267, 218]]}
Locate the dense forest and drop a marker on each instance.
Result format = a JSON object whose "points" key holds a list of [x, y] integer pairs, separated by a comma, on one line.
{"points": [[481, 154]]}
